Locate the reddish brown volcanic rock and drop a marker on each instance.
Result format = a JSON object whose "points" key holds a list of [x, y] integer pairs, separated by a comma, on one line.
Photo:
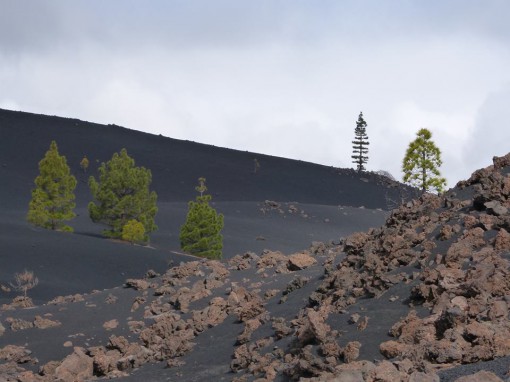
{"points": [[300, 261]]}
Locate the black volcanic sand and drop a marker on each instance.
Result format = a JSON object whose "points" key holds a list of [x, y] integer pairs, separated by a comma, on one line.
{"points": [[176, 165], [327, 203], [312, 203], [81, 262], [284, 207]]}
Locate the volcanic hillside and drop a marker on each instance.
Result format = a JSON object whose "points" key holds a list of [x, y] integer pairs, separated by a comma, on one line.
{"points": [[285, 205], [422, 298], [176, 165]]}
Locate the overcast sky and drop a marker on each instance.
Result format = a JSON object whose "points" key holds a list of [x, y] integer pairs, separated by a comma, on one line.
{"points": [[281, 77]]}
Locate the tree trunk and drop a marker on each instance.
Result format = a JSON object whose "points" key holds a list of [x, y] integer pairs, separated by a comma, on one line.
{"points": [[423, 174]]}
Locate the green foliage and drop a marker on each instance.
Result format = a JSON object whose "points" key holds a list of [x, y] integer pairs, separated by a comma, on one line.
{"points": [[133, 231], [360, 143], [421, 163], [122, 194], [53, 197], [201, 233], [201, 186], [84, 164]]}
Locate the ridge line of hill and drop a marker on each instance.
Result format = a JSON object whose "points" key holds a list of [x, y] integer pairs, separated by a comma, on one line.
{"points": [[177, 164]]}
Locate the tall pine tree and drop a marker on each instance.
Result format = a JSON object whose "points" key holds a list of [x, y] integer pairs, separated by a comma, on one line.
{"points": [[53, 197], [201, 233], [421, 163], [360, 143], [122, 194]]}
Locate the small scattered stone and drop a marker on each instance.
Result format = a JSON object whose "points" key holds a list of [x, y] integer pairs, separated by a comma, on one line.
{"points": [[110, 325], [45, 323], [481, 376], [111, 299], [363, 324], [354, 318]]}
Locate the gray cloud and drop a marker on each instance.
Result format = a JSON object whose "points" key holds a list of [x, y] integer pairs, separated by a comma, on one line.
{"points": [[233, 23], [491, 135], [285, 78], [27, 26]]}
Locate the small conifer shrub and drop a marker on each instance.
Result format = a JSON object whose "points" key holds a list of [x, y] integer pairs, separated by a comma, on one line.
{"points": [[133, 231], [84, 164], [201, 235]]}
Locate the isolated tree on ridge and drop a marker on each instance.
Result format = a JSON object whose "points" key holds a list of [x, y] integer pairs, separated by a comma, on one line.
{"points": [[122, 194], [53, 198], [421, 163], [201, 233], [360, 143]]}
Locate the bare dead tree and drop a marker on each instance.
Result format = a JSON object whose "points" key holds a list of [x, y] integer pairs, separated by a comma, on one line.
{"points": [[24, 281], [392, 203], [256, 165]]}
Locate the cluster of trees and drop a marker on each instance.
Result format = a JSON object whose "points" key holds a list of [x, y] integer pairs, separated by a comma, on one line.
{"points": [[122, 201], [421, 162]]}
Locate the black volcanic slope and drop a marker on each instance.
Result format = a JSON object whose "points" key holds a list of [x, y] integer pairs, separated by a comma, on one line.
{"points": [[315, 203], [424, 297], [176, 165]]}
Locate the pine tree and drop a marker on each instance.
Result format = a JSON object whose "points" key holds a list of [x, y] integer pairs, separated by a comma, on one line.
{"points": [[53, 198], [201, 233], [421, 163], [360, 143], [122, 194]]}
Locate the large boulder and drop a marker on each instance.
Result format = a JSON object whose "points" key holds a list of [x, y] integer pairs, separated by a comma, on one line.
{"points": [[77, 366], [502, 241], [351, 351], [299, 261]]}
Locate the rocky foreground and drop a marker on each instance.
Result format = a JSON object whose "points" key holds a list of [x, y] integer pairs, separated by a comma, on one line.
{"points": [[427, 292]]}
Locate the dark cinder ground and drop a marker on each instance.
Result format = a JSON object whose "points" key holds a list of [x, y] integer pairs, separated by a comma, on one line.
{"points": [[330, 202], [314, 203]]}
